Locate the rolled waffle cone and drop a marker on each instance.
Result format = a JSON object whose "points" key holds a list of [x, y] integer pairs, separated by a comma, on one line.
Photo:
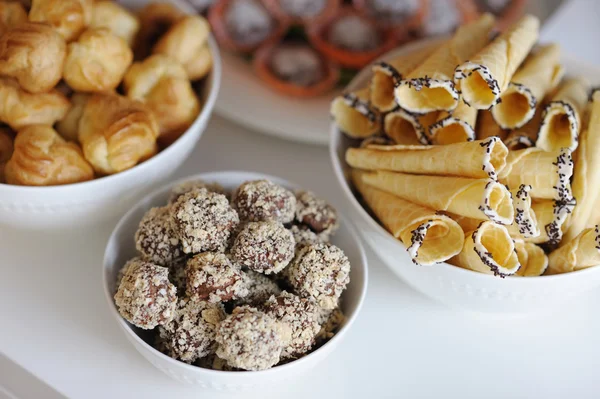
{"points": [[481, 199], [475, 159], [488, 127], [548, 173], [455, 127], [408, 129], [532, 258], [526, 224], [354, 115], [430, 87], [488, 249], [525, 136], [539, 74], [586, 175], [387, 74], [581, 252], [552, 217], [486, 75], [561, 119], [429, 237]]}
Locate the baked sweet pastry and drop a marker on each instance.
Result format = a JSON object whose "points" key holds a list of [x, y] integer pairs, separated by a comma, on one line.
{"points": [[120, 21], [42, 158], [262, 200], [162, 84], [19, 108], [68, 17], [116, 133], [11, 14], [212, 277], [155, 19], [97, 61], [68, 127], [33, 54], [186, 42], [6, 150]]}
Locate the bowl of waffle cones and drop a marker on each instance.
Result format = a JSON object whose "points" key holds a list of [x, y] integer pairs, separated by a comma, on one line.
{"points": [[469, 163]]}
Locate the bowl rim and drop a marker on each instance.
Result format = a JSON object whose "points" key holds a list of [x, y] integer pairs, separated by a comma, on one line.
{"points": [[213, 80], [335, 136], [214, 177]]}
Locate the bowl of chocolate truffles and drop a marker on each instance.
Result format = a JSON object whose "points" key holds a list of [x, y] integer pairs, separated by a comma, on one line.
{"points": [[100, 100], [233, 280]]}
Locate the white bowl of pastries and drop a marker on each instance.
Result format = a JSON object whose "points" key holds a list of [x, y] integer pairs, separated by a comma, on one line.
{"points": [[98, 101], [472, 170], [234, 280]]}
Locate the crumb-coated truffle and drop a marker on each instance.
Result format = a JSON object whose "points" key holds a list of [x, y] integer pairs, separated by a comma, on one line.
{"points": [[212, 277], [261, 200], [305, 236], [265, 247], [251, 340], [203, 221], [316, 213], [145, 296], [320, 271], [330, 320], [155, 239], [188, 186], [191, 333], [260, 288], [301, 315]]}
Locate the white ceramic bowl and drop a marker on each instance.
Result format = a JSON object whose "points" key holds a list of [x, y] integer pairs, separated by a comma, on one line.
{"points": [[452, 285], [99, 199], [121, 248]]}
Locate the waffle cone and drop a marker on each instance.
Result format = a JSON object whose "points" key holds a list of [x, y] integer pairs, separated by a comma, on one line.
{"points": [[475, 159], [532, 258], [483, 78], [455, 127], [488, 127], [408, 129], [481, 199], [430, 87], [429, 237], [581, 252], [526, 223], [552, 217], [488, 249], [525, 136], [354, 115]]}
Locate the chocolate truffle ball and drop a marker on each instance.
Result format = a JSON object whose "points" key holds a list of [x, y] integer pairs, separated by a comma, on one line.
{"points": [[330, 320], [212, 277], [262, 200], [251, 340], [191, 333], [265, 247], [301, 315], [319, 271], [155, 238], [203, 221], [260, 288], [316, 213], [145, 296], [305, 236], [188, 186]]}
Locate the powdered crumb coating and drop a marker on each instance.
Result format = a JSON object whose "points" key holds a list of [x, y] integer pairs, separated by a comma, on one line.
{"points": [[330, 321], [203, 221], [124, 269], [191, 333], [251, 340], [212, 277], [261, 200], [301, 315], [155, 238], [305, 236], [260, 288], [316, 213], [265, 247], [188, 186], [145, 296], [319, 271]]}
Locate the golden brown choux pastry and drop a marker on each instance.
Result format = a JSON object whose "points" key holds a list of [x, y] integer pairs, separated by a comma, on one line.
{"points": [[119, 20], [68, 17], [68, 127], [155, 20], [186, 41], [33, 54], [6, 150], [11, 14], [42, 158], [19, 108], [116, 133], [97, 61], [162, 84]]}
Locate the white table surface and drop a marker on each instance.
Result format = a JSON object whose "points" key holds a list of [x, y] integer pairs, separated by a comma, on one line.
{"points": [[56, 326]]}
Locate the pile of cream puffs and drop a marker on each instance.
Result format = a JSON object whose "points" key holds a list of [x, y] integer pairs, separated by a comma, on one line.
{"points": [[89, 88]]}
